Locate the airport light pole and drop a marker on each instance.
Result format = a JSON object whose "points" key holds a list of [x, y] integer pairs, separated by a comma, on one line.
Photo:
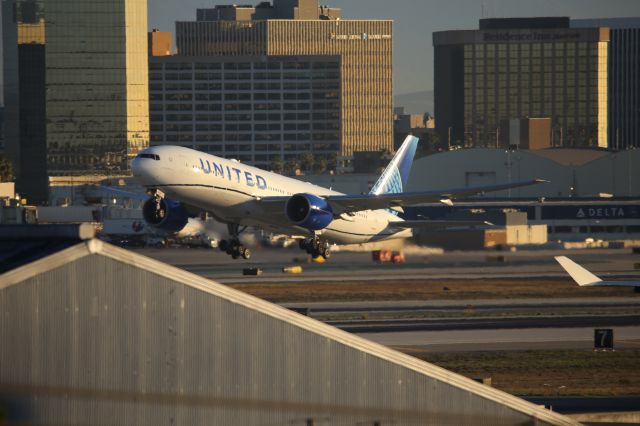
{"points": [[508, 165]]}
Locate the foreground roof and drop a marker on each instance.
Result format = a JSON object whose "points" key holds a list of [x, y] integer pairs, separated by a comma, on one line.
{"points": [[105, 326]]}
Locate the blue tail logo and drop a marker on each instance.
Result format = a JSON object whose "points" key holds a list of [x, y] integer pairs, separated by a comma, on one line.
{"points": [[395, 177]]}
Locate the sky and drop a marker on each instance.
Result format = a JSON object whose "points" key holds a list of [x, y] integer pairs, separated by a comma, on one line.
{"points": [[415, 20]]}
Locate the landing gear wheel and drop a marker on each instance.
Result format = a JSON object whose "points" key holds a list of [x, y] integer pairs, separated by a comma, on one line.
{"points": [[315, 247], [325, 252], [246, 253], [233, 247]]}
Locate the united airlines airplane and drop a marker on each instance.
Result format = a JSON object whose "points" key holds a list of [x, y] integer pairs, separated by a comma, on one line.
{"points": [[183, 182]]}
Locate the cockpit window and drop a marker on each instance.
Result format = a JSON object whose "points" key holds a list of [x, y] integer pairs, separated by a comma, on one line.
{"points": [[152, 156]]}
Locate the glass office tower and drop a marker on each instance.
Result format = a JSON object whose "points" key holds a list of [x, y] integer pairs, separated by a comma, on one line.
{"points": [[255, 109], [76, 88], [303, 27], [522, 68], [624, 78], [97, 86], [24, 42]]}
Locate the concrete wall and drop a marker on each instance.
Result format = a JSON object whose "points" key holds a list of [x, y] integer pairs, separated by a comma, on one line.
{"points": [[525, 235]]}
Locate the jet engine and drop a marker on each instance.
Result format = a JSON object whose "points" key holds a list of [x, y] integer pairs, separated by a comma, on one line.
{"points": [[309, 211], [165, 214]]}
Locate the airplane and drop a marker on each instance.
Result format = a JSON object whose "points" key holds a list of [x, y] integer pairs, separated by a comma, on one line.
{"points": [[585, 278], [183, 182]]}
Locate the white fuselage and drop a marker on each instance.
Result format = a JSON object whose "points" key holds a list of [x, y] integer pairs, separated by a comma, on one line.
{"points": [[230, 191]]}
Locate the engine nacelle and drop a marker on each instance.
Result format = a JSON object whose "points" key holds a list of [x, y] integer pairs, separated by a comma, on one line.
{"points": [[165, 214], [309, 211]]}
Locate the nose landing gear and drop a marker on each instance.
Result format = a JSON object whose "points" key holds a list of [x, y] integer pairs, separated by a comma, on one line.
{"points": [[316, 247]]}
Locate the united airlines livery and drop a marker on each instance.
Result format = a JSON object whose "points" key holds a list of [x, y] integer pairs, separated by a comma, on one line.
{"points": [[183, 182]]}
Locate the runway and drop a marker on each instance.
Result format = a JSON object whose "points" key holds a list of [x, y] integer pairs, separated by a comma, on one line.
{"points": [[504, 322], [466, 305], [505, 339], [357, 266]]}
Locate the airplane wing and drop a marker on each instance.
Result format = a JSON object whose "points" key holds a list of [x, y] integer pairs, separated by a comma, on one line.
{"points": [[140, 197], [437, 224], [120, 193], [587, 279], [341, 204]]}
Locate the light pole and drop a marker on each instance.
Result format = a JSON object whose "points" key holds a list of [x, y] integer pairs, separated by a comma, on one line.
{"points": [[508, 165]]}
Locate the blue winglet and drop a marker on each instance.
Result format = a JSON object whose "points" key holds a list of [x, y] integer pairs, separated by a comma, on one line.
{"points": [[395, 177]]}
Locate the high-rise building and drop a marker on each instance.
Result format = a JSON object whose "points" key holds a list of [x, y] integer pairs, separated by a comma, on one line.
{"points": [[302, 27], [23, 32], [257, 109], [76, 88], [624, 78], [518, 68], [2, 129], [97, 85]]}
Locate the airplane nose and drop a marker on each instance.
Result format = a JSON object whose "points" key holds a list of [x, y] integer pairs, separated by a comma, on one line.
{"points": [[142, 170], [136, 167]]}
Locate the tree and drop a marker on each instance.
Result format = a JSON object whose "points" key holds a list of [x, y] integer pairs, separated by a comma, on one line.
{"points": [[307, 161], [332, 163], [6, 170], [320, 166], [277, 165], [290, 166]]}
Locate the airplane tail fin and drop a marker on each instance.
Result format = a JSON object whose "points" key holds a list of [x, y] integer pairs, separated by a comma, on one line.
{"points": [[395, 177], [579, 274]]}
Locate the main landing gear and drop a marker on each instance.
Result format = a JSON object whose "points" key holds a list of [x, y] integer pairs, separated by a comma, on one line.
{"points": [[316, 247], [233, 247]]}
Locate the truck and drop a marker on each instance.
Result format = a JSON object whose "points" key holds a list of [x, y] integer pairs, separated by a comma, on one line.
{"points": [[387, 256]]}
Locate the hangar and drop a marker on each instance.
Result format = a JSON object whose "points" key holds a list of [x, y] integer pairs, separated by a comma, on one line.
{"points": [[95, 334], [570, 172]]}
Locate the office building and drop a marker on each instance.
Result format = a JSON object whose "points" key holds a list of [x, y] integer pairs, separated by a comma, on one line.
{"points": [[23, 32], [303, 27], [159, 43], [97, 85], [76, 88], [255, 109], [1, 130], [624, 79], [522, 68]]}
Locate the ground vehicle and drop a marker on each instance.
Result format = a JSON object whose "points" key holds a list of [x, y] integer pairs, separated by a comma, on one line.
{"points": [[384, 256]]}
